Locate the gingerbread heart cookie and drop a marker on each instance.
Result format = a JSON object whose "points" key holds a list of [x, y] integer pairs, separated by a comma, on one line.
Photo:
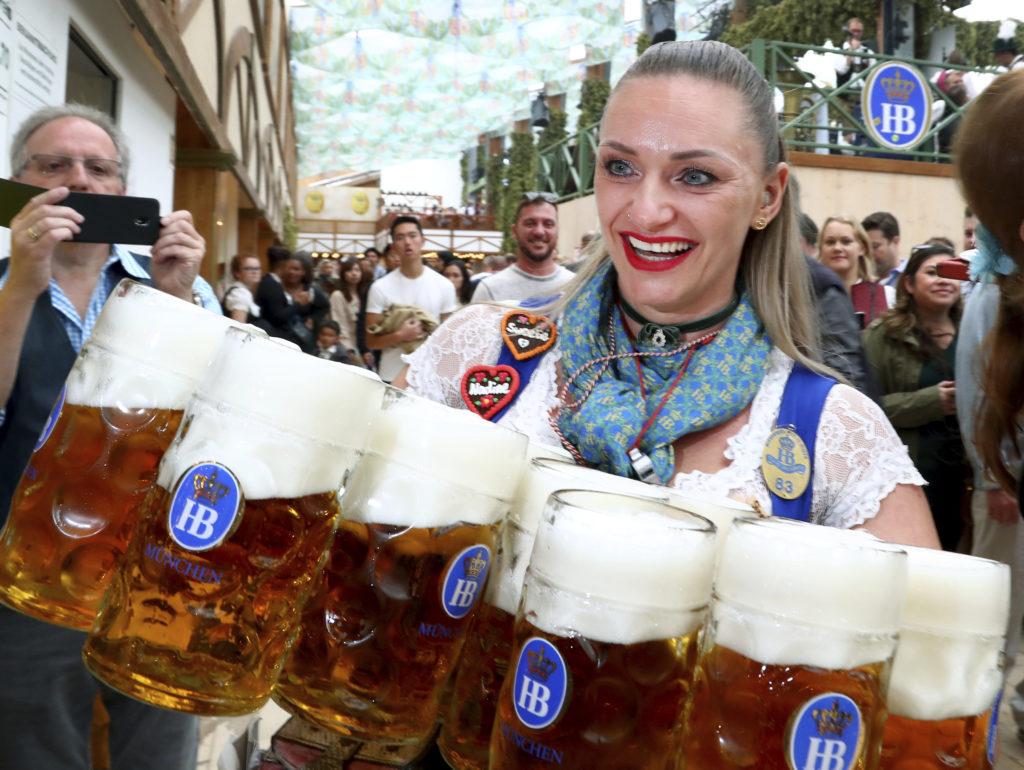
{"points": [[487, 390]]}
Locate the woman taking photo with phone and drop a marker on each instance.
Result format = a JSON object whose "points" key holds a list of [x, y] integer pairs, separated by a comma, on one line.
{"points": [[912, 352]]}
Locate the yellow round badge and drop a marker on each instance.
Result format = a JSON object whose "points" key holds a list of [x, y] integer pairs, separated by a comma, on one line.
{"points": [[315, 202], [785, 464], [360, 203]]}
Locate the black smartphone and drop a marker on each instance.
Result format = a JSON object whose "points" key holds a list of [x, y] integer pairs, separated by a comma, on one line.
{"points": [[108, 218]]}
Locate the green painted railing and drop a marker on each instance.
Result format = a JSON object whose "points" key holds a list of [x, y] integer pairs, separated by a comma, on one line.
{"points": [[567, 168]]}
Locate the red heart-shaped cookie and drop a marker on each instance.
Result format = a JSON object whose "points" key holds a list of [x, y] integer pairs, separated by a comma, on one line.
{"points": [[527, 335], [487, 390]]}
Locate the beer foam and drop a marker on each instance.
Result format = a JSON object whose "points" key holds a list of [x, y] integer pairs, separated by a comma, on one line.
{"points": [[383, 491], [542, 477], [948, 662], [782, 588], [720, 511], [286, 423], [452, 445], [147, 350], [618, 568]]}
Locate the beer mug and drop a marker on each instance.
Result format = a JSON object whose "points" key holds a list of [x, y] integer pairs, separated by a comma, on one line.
{"points": [[794, 667], [947, 673], [465, 735], [412, 553], [720, 511], [234, 534], [72, 514], [605, 638]]}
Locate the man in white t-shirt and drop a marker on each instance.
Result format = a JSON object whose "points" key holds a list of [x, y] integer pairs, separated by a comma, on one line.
{"points": [[411, 284], [536, 272]]}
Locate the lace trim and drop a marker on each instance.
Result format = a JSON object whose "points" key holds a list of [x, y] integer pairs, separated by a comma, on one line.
{"points": [[858, 460]]}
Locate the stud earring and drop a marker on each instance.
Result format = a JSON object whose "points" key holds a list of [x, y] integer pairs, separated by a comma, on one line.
{"points": [[629, 215], [760, 223]]}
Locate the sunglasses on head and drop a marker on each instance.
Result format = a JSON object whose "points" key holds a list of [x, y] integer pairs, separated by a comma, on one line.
{"points": [[533, 197], [932, 248]]}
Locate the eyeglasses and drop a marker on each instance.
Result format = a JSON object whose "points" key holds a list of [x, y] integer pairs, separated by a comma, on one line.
{"points": [[533, 197], [100, 169]]}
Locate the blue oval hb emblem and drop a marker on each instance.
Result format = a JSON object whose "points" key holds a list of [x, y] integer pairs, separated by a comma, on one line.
{"points": [[897, 105], [541, 683], [204, 507], [51, 421], [464, 580], [825, 734]]}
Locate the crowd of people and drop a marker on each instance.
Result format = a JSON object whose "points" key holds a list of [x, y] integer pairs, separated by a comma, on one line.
{"points": [[691, 324]]}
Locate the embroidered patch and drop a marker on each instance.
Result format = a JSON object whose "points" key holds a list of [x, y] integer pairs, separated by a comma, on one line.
{"points": [[527, 335], [487, 390]]}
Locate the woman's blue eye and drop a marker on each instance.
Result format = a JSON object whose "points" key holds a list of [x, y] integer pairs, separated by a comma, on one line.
{"points": [[696, 176], [617, 167]]}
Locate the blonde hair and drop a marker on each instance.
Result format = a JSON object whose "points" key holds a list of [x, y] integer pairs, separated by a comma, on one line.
{"points": [[865, 263], [772, 264]]}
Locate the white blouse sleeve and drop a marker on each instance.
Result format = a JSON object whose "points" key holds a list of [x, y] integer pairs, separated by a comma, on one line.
{"points": [[859, 460], [471, 337]]}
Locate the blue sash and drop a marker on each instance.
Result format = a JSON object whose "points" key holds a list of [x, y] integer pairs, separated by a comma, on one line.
{"points": [[802, 402]]}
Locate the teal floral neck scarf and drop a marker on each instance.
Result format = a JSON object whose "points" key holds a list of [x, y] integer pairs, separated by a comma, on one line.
{"points": [[721, 379]]}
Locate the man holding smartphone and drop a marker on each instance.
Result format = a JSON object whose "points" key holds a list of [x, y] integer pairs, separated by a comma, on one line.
{"points": [[51, 292]]}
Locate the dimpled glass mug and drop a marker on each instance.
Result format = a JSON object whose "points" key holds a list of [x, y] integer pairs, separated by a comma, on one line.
{"points": [[72, 515], [419, 523], [235, 532]]}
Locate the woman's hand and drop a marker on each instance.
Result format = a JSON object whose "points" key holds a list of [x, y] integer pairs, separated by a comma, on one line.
{"points": [[947, 394]]}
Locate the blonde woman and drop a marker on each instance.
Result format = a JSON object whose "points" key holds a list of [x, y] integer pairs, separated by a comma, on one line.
{"points": [[843, 245]]}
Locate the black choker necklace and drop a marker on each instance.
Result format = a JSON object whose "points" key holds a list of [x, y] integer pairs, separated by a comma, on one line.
{"points": [[661, 335]]}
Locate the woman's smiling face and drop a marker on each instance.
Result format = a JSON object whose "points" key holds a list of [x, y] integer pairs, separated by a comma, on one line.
{"points": [[680, 180]]}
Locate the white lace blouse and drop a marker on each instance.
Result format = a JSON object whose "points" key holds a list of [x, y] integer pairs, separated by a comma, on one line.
{"points": [[858, 458]]}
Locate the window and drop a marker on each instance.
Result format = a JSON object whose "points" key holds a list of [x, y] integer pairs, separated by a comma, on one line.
{"points": [[89, 80]]}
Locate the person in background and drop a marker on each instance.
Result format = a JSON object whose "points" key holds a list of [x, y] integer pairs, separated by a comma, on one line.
{"points": [[372, 255], [346, 305], [536, 271], [843, 246], [455, 270], [412, 284], [883, 231], [238, 301], [912, 352], [328, 344], [492, 263], [51, 292], [987, 152], [288, 301], [838, 324], [970, 227]]}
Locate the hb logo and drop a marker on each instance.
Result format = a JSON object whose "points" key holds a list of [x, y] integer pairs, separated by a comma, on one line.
{"points": [[204, 507], [463, 580], [825, 734], [541, 683]]}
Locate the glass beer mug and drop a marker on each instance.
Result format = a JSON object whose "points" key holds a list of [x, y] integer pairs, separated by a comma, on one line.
{"points": [[947, 673], [413, 550], [465, 735], [606, 635], [72, 514], [795, 663], [234, 534]]}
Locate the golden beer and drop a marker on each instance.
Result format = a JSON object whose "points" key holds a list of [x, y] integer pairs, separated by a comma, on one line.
{"points": [[947, 673], [406, 571], [232, 538], [73, 512], [796, 660], [605, 640], [464, 739], [204, 633]]}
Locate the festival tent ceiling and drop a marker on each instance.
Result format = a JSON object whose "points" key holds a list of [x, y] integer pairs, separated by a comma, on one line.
{"points": [[382, 82]]}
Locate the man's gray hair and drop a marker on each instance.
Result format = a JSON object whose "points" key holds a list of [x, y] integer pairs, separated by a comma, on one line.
{"points": [[45, 115]]}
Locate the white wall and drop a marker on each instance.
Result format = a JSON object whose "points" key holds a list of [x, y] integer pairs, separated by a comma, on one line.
{"points": [[145, 100]]}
